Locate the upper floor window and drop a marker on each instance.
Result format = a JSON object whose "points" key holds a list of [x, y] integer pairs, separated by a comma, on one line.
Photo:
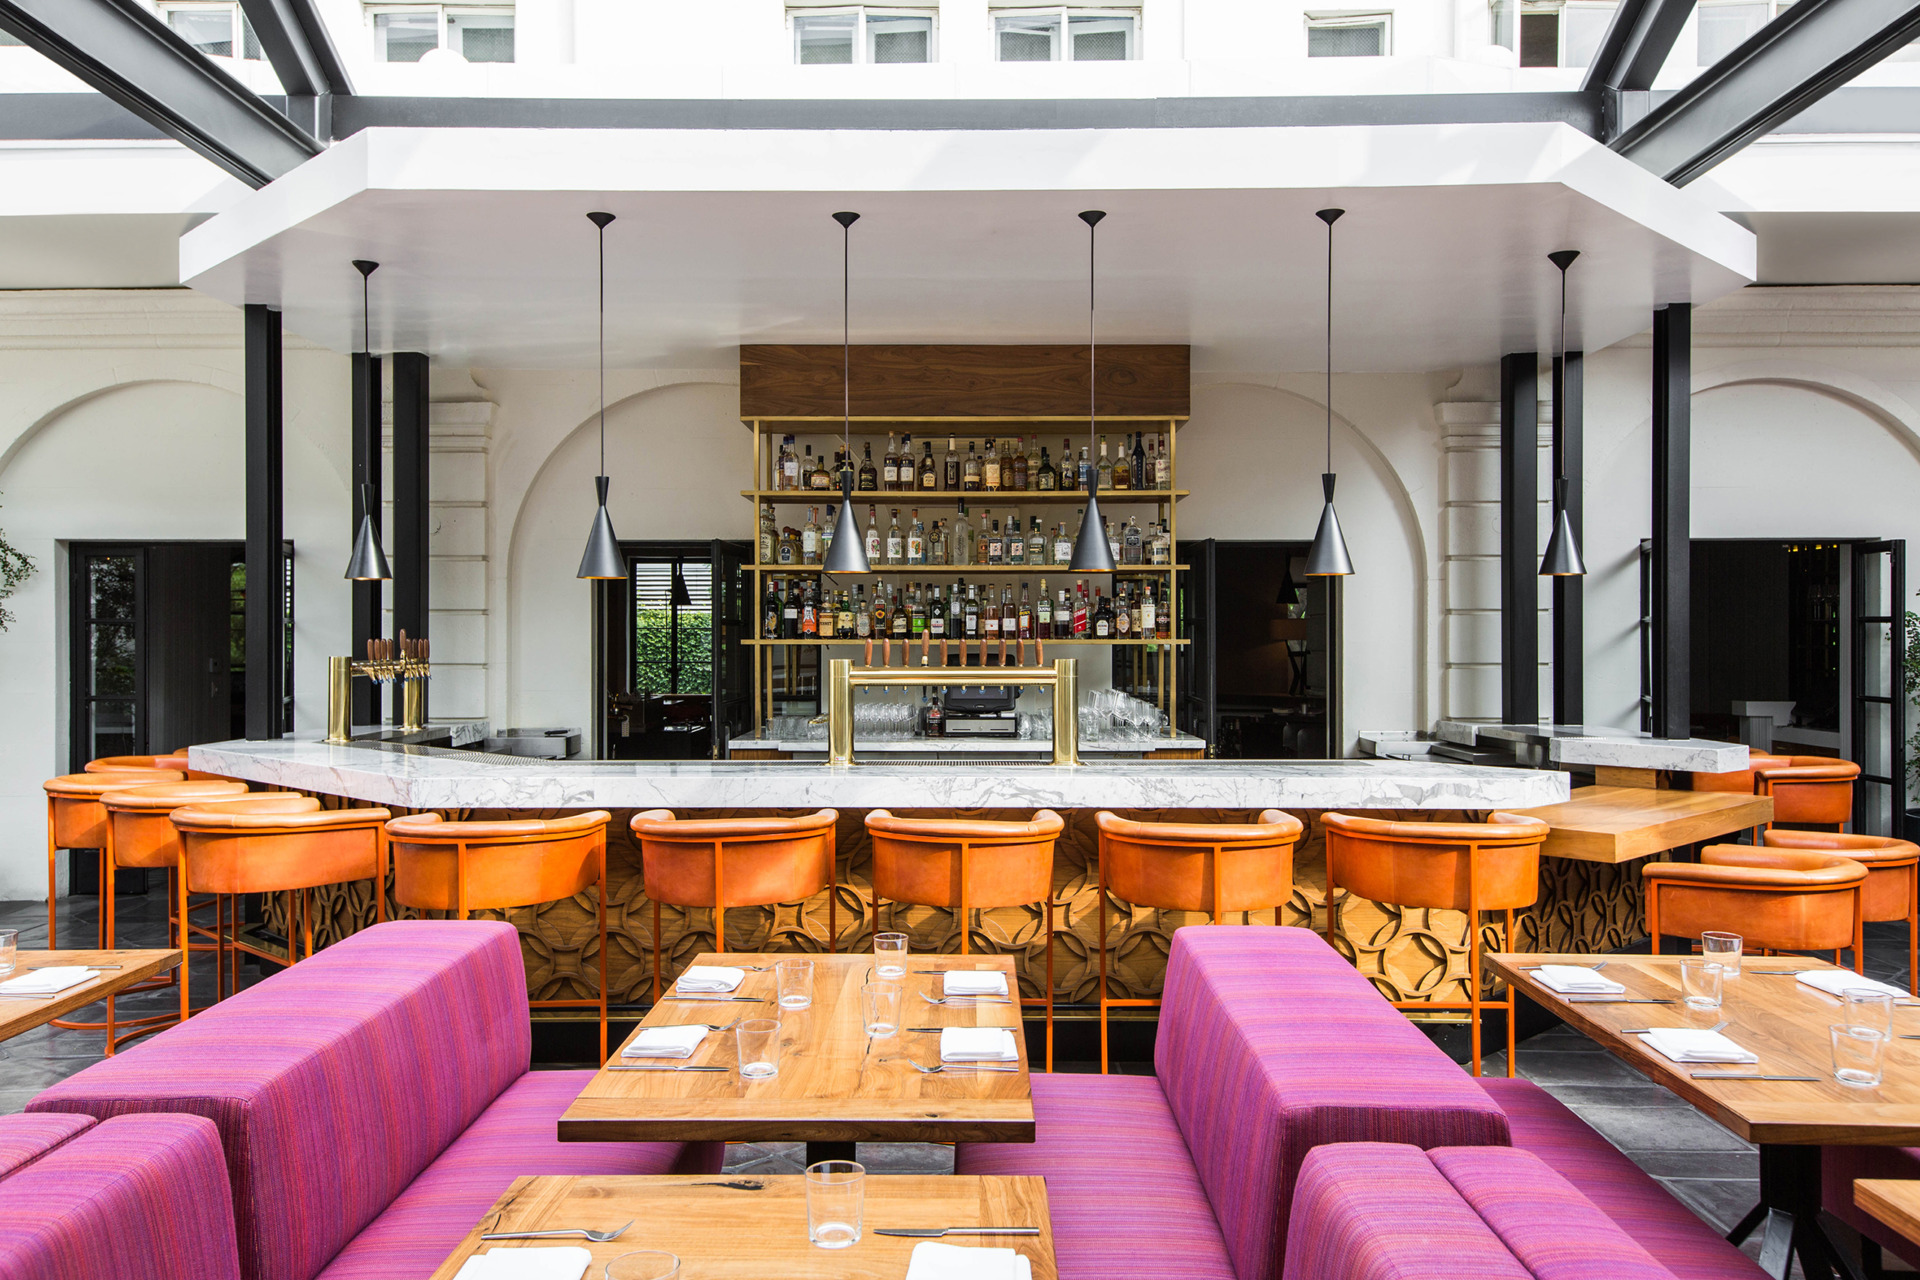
{"points": [[407, 33], [862, 35], [1066, 35], [217, 30], [1552, 33], [1349, 35]]}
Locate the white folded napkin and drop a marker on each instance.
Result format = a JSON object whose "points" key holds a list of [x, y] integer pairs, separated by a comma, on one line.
{"points": [[974, 982], [934, 1261], [568, 1263], [665, 1042], [703, 978], [46, 982], [977, 1044], [1831, 981], [1576, 980], [1692, 1044]]}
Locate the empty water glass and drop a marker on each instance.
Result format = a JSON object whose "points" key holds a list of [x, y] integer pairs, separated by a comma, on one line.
{"points": [[1868, 1008], [647, 1264], [836, 1195], [1724, 948], [796, 983], [9, 939], [1856, 1054], [890, 956], [758, 1040], [1700, 982], [880, 1004]]}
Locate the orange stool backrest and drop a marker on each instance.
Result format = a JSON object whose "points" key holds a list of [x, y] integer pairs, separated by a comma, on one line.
{"points": [[1813, 789], [1426, 864], [919, 860], [513, 863], [1888, 893], [243, 846], [1741, 781], [113, 764], [1212, 867], [143, 832], [74, 814], [1778, 899], [765, 860]]}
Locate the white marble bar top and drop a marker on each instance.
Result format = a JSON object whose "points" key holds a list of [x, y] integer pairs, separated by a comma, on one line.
{"points": [[429, 778], [1603, 745], [970, 746]]}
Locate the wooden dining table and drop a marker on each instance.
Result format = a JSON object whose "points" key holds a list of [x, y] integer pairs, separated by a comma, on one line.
{"points": [[1785, 1023], [1894, 1201], [836, 1085], [1620, 824], [117, 970]]}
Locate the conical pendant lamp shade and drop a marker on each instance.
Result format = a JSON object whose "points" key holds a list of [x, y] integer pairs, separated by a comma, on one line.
{"points": [[848, 554], [1092, 553], [603, 558], [1327, 558], [369, 562], [1563, 558]]}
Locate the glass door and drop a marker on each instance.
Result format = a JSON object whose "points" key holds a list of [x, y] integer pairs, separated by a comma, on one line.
{"points": [[108, 671], [1879, 680]]}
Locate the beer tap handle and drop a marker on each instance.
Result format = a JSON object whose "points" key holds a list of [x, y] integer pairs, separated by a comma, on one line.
{"points": [[1039, 653], [943, 651], [886, 652], [868, 660]]}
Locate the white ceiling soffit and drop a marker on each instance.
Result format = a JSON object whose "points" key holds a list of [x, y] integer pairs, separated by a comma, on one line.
{"points": [[1828, 209], [487, 257]]}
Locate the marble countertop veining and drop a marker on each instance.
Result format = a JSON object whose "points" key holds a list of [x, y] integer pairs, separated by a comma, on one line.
{"points": [[431, 778]]}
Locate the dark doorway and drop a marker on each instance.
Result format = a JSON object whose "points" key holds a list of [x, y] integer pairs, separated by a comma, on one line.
{"points": [[672, 669], [1767, 626]]}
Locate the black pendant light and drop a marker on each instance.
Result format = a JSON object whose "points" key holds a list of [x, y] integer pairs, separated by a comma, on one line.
{"points": [[1289, 592], [681, 597], [1327, 558], [1092, 553], [368, 563], [848, 554], [602, 558], [1562, 559]]}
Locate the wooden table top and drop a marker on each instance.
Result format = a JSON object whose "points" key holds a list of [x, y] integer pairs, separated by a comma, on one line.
{"points": [[755, 1228], [1619, 824], [1894, 1201], [1783, 1021], [24, 1014], [835, 1085]]}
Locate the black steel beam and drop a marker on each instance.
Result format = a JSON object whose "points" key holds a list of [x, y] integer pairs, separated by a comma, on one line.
{"points": [[1637, 42], [411, 526], [368, 599], [1520, 538], [295, 40], [120, 48], [1672, 612], [1569, 593], [1807, 52], [266, 604]]}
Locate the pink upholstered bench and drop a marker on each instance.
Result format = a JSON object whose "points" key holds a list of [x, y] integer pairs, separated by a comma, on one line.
{"points": [[25, 1138], [373, 1101]]}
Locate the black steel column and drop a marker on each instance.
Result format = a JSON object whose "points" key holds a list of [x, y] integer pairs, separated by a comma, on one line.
{"points": [[266, 616], [1520, 538], [1672, 521], [367, 596], [411, 526], [1569, 598]]}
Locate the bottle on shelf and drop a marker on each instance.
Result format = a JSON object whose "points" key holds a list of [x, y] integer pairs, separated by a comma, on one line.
{"points": [[970, 479], [896, 545], [1025, 631], [846, 622], [1021, 466], [826, 530], [789, 473], [937, 543], [1036, 543], [916, 539], [809, 614], [1043, 613], [961, 549], [1086, 469], [1063, 617], [873, 537], [1163, 469], [829, 613], [1132, 543], [996, 546], [1123, 467], [1163, 620], [990, 618], [1142, 612], [805, 472], [1080, 613], [1122, 613], [1160, 548], [990, 468], [1106, 468], [1069, 474], [890, 464], [897, 616], [929, 469], [1142, 477], [916, 612], [769, 536], [983, 536], [1045, 478], [1009, 615], [862, 612], [882, 613], [789, 552], [970, 615], [1062, 545], [869, 477], [790, 613], [770, 611], [956, 610], [1016, 541], [1102, 617], [810, 537], [1113, 537], [950, 474], [906, 463], [936, 615]]}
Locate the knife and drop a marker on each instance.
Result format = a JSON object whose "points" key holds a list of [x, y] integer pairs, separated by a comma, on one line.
{"points": [[1614, 1000], [720, 999], [933, 1233], [84, 966], [631, 1068], [1738, 1075]]}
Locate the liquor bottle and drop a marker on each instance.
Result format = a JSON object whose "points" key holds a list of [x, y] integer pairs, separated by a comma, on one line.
{"points": [[1026, 614], [1122, 613], [1123, 467], [1113, 538], [869, 479], [882, 613], [1062, 545], [990, 618], [929, 469], [897, 616], [1106, 467], [1020, 464], [1080, 621], [790, 614], [970, 480], [1009, 615], [916, 612], [1043, 613], [1036, 543], [810, 537], [996, 546], [862, 613], [769, 536], [956, 610], [805, 473], [937, 543], [906, 463], [845, 624], [1086, 469], [1132, 543], [1045, 478], [873, 538], [990, 469], [1063, 617], [950, 474], [1163, 469], [789, 477], [970, 615], [829, 613], [982, 537], [1069, 476], [1142, 612], [1016, 541], [1163, 620], [770, 611], [961, 550], [1160, 546], [1102, 617], [809, 615], [890, 464], [916, 539], [1142, 474], [789, 546], [896, 545], [936, 616], [826, 531]]}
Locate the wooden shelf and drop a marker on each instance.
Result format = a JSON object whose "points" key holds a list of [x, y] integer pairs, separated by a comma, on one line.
{"points": [[973, 643], [964, 570], [943, 498], [870, 425]]}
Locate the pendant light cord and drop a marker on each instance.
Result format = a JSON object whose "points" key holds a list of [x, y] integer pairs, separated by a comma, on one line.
{"points": [[1093, 232], [603, 348], [1560, 400], [1329, 397], [846, 338]]}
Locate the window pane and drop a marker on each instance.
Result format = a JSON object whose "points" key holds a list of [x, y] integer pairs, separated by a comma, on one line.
{"points": [[1503, 11], [481, 37], [1101, 39], [899, 39], [208, 30], [110, 729], [1034, 39], [405, 37], [110, 580], [1539, 39], [112, 659], [1724, 26], [249, 42], [1585, 26], [1368, 41], [825, 38]]}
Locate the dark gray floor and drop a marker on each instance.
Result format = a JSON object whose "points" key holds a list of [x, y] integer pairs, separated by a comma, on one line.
{"points": [[1709, 1169]]}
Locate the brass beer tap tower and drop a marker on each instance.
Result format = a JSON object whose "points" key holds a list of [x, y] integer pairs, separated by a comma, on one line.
{"points": [[386, 661]]}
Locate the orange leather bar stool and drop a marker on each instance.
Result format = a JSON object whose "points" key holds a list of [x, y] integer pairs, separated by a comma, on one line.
{"points": [[1775, 899], [114, 764], [1808, 791], [459, 867], [1211, 867], [735, 862], [76, 820], [1449, 866], [264, 844], [964, 865], [1893, 877]]}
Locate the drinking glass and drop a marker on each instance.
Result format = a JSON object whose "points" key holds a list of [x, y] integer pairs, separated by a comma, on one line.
{"points": [[1870, 1009], [836, 1193], [890, 956], [758, 1040], [9, 938], [1700, 980], [1723, 947], [1856, 1054], [880, 1004], [648, 1264], [796, 983]]}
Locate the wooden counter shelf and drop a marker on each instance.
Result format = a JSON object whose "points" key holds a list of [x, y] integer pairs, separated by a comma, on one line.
{"points": [[1620, 824]]}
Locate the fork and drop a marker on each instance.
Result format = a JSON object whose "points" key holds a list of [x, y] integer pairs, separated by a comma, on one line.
{"points": [[598, 1237], [956, 1068], [965, 1001]]}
